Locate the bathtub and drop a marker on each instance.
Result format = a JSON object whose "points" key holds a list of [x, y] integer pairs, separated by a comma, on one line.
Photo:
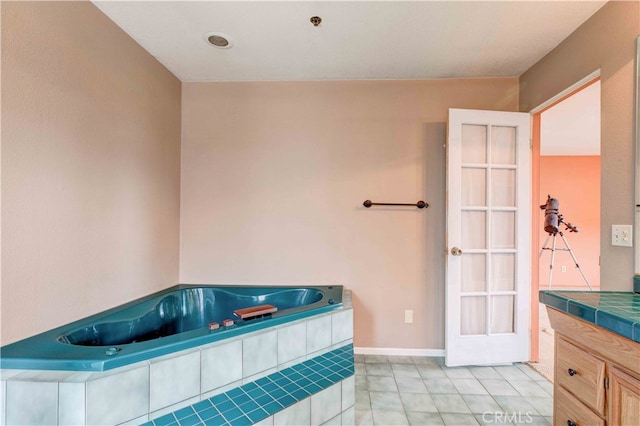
{"points": [[162, 323], [154, 359]]}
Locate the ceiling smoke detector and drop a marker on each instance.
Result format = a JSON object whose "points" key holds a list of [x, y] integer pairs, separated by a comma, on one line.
{"points": [[315, 20], [219, 40]]}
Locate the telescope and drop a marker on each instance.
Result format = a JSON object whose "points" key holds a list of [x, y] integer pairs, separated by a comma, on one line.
{"points": [[553, 219], [552, 222]]}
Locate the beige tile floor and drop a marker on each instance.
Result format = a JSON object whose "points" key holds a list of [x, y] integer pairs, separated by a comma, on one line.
{"points": [[394, 390]]}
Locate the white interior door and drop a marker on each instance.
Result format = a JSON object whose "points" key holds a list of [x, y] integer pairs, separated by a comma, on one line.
{"points": [[488, 237]]}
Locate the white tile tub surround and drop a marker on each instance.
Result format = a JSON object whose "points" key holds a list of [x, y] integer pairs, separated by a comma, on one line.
{"points": [[31, 403], [136, 422], [336, 421], [259, 353], [326, 404], [348, 393], [292, 342], [334, 405], [221, 389], [3, 402], [221, 364], [341, 326], [282, 366], [349, 416], [161, 385], [118, 398], [71, 403], [318, 333], [175, 407], [298, 414], [329, 349], [259, 375], [173, 379]]}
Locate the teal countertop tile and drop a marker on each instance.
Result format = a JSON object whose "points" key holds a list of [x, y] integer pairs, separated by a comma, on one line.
{"points": [[615, 311]]}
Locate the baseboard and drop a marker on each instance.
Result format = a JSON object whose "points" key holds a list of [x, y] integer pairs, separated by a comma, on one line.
{"points": [[398, 351]]}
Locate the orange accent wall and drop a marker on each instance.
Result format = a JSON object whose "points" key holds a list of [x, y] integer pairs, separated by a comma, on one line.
{"points": [[575, 182]]}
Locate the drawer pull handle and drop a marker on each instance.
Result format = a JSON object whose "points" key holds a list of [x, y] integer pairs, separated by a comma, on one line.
{"points": [[571, 423], [572, 372]]}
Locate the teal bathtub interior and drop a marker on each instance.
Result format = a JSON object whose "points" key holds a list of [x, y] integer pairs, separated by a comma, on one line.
{"points": [[162, 323]]}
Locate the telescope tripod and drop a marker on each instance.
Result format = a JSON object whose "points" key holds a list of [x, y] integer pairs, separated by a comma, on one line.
{"points": [[553, 254]]}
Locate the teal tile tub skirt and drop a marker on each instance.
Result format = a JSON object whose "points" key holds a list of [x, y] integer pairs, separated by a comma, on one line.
{"points": [[255, 401]]}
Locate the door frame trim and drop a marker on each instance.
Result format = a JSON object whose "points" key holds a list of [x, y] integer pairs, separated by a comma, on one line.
{"points": [[535, 190]]}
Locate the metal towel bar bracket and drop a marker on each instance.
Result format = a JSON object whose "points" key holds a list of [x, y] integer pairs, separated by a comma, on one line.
{"points": [[420, 204]]}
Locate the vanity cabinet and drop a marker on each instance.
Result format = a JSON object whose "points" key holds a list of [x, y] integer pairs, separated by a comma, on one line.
{"points": [[624, 404], [597, 374]]}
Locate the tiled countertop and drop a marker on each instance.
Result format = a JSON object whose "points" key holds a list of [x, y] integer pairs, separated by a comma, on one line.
{"points": [[616, 311]]}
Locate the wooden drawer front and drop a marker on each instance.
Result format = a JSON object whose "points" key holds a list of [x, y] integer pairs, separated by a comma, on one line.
{"points": [[581, 374], [567, 410]]}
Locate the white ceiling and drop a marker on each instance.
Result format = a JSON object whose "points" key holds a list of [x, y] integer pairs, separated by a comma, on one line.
{"points": [[572, 127], [274, 40]]}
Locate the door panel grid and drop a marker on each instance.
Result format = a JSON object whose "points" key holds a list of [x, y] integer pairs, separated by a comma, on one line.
{"points": [[488, 185]]}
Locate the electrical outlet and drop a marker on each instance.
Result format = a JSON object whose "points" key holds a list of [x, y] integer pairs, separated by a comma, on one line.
{"points": [[408, 316], [564, 268], [622, 235]]}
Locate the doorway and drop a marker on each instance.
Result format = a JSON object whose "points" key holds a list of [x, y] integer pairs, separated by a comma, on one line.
{"points": [[566, 141]]}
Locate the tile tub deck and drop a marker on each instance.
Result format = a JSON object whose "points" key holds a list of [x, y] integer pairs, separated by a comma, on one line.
{"points": [[149, 390]]}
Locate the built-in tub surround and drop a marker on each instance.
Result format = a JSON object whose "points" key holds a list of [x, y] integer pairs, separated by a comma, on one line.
{"points": [[168, 321], [149, 389], [318, 391]]}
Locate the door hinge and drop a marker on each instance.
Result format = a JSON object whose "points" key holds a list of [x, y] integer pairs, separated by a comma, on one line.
{"points": [[606, 383]]}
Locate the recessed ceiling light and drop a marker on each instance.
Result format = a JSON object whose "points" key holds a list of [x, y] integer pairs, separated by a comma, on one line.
{"points": [[219, 40]]}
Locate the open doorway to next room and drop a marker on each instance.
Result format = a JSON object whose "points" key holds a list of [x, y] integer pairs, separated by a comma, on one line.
{"points": [[569, 168]]}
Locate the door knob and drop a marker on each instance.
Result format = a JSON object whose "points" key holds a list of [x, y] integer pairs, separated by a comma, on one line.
{"points": [[456, 251]]}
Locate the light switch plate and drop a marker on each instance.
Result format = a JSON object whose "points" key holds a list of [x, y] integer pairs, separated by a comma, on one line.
{"points": [[622, 235]]}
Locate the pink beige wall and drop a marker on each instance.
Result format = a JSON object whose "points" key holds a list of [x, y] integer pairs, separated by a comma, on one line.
{"points": [[90, 167], [273, 174], [607, 41], [273, 180], [575, 182]]}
